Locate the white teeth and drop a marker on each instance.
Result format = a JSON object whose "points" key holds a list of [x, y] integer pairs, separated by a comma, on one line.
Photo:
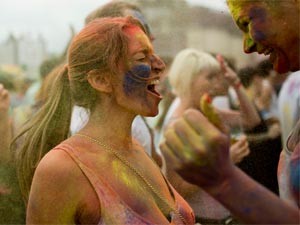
{"points": [[154, 82]]}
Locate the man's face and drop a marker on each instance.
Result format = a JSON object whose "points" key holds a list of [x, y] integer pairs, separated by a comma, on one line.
{"points": [[270, 29]]}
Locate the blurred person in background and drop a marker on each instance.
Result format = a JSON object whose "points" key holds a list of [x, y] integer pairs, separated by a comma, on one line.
{"points": [[264, 138], [12, 209], [16, 82], [5, 124], [267, 102], [7, 87], [36, 95], [192, 74]]}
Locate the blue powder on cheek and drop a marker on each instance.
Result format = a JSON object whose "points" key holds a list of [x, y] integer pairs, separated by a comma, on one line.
{"points": [[259, 36], [141, 71], [136, 79], [259, 15]]}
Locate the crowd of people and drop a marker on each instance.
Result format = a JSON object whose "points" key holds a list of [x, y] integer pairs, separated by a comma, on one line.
{"points": [[82, 148]]}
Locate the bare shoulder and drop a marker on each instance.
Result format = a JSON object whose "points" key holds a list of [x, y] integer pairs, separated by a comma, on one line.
{"points": [[57, 172], [54, 192], [58, 164]]}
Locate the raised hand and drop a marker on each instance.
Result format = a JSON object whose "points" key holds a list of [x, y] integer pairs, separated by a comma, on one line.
{"points": [[199, 150], [231, 76], [239, 150]]}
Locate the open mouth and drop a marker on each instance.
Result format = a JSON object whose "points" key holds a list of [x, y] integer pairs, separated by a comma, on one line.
{"points": [[268, 51], [151, 87]]}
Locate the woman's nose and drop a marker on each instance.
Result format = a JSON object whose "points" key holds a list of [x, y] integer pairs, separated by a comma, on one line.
{"points": [[157, 64]]}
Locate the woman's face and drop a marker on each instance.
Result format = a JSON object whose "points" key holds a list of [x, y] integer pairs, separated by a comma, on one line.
{"points": [[135, 90], [205, 82]]}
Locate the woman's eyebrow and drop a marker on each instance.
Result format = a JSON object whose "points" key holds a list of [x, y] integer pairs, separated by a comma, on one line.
{"points": [[143, 50]]}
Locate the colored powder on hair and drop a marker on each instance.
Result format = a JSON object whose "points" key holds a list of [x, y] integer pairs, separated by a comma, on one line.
{"points": [[141, 18]]}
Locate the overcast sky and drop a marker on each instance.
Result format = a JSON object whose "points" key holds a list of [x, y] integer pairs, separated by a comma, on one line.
{"points": [[51, 18]]}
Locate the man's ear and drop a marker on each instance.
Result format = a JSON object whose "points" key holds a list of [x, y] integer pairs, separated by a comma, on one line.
{"points": [[100, 81]]}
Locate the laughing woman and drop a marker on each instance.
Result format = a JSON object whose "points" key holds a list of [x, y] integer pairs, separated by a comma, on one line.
{"points": [[99, 175]]}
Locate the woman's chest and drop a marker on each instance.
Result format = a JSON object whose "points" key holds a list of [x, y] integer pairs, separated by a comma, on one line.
{"points": [[133, 185]]}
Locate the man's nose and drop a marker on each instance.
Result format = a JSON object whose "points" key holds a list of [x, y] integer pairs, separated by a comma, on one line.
{"points": [[157, 64], [249, 44]]}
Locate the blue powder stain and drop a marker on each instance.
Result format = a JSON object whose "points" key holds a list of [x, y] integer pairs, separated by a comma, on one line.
{"points": [[247, 210], [135, 79], [142, 71], [259, 36], [260, 15]]}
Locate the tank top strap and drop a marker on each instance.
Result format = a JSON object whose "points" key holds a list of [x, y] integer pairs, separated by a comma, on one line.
{"points": [[101, 187]]}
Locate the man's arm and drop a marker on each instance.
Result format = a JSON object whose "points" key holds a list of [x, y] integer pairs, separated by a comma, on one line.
{"points": [[252, 203], [201, 155]]}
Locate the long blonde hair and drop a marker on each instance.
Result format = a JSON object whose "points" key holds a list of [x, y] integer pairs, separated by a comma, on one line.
{"points": [[100, 46]]}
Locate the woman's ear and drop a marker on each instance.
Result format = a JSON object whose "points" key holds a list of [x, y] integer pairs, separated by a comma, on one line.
{"points": [[100, 81]]}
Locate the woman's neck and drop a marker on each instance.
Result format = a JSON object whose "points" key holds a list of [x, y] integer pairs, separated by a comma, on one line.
{"points": [[110, 126]]}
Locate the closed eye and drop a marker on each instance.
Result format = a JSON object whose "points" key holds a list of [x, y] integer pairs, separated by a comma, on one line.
{"points": [[243, 24], [140, 57]]}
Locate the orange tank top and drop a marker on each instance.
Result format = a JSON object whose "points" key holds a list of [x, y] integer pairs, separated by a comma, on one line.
{"points": [[113, 209]]}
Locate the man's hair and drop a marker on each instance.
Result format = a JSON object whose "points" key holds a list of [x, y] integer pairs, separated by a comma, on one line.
{"points": [[111, 9], [273, 4], [119, 9]]}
